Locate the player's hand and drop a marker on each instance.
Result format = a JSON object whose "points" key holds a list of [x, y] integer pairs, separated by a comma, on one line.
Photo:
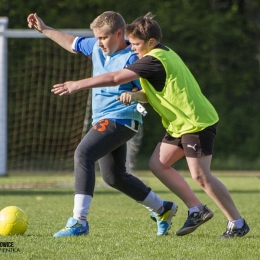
{"points": [[66, 88], [35, 22], [126, 98]]}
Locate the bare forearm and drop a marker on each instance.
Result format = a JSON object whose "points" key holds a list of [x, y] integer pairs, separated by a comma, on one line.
{"points": [[63, 39], [140, 96], [109, 80], [128, 97]]}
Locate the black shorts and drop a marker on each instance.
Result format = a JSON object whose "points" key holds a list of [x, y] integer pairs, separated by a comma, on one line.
{"points": [[196, 144]]}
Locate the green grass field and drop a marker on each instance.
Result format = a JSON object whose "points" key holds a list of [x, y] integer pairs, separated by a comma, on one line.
{"points": [[119, 227]]}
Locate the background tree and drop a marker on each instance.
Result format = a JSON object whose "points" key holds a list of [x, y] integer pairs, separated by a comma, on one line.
{"points": [[219, 40]]}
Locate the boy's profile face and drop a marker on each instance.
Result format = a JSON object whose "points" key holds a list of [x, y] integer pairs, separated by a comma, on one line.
{"points": [[108, 42], [140, 47]]}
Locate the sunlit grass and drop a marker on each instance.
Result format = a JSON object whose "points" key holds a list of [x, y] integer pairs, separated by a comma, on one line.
{"points": [[121, 228]]}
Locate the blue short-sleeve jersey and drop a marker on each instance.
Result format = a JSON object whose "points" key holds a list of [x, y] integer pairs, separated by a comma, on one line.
{"points": [[104, 103]]}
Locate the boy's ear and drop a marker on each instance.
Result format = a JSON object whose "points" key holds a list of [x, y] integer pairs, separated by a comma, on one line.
{"points": [[150, 42], [119, 32]]}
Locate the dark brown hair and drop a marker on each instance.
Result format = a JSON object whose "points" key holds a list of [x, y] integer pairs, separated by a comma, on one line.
{"points": [[144, 28]]}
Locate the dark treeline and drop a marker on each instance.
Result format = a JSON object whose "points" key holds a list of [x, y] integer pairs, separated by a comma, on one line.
{"points": [[218, 39]]}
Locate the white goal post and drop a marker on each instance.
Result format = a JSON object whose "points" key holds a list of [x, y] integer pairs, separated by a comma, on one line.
{"points": [[3, 96], [4, 35]]}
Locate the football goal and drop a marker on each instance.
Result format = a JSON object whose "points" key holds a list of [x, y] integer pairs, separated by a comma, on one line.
{"points": [[39, 130]]}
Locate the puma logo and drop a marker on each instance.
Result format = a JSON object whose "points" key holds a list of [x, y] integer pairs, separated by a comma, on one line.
{"points": [[193, 147]]}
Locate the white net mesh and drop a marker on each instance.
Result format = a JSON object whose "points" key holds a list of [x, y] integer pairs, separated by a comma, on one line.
{"points": [[43, 129]]}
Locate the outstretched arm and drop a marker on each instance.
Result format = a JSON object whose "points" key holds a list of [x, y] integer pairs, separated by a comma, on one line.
{"points": [[63, 39], [108, 79]]}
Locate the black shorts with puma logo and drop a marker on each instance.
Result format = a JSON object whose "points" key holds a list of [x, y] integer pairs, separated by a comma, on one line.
{"points": [[196, 144]]}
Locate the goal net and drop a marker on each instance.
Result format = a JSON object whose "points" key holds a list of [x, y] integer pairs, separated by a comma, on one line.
{"points": [[44, 129]]}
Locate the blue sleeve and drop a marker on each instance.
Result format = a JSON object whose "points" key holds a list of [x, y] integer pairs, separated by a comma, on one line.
{"points": [[84, 45], [131, 60]]}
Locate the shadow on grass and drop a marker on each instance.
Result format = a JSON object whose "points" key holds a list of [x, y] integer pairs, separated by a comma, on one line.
{"points": [[24, 192], [206, 236], [98, 191]]}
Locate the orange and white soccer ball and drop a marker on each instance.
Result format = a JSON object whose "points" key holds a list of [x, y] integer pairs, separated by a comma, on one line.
{"points": [[13, 221]]}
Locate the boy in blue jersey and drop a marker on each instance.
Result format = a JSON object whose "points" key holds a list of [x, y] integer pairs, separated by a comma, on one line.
{"points": [[113, 124]]}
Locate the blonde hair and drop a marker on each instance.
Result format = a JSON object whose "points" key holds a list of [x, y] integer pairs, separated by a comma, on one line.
{"points": [[144, 28], [109, 20]]}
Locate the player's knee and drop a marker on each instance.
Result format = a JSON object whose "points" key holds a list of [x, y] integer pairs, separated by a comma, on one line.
{"points": [[78, 154], [81, 155], [199, 179], [156, 166], [114, 180], [110, 181]]}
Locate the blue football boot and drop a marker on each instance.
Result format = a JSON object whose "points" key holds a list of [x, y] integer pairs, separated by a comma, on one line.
{"points": [[73, 228]]}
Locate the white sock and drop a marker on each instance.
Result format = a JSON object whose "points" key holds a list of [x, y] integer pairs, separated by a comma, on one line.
{"points": [[152, 202], [81, 207], [238, 222], [194, 209], [197, 208]]}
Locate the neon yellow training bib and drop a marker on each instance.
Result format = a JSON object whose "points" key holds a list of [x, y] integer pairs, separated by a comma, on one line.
{"points": [[181, 104]]}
